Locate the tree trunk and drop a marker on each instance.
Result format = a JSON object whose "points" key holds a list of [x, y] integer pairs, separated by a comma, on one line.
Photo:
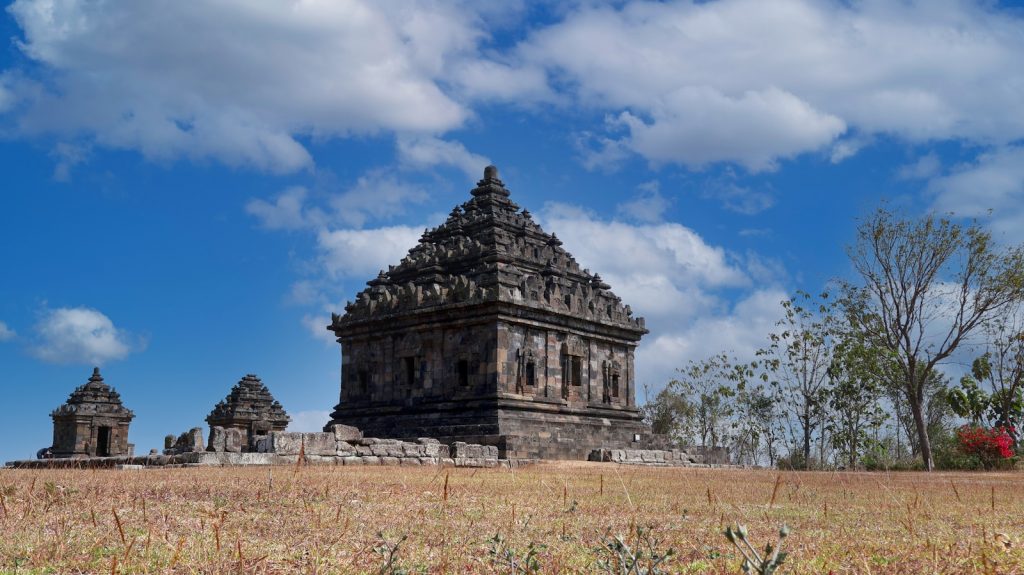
{"points": [[922, 431]]}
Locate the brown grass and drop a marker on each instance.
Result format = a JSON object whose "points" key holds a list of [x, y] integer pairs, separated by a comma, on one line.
{"points": [[328, 519]]}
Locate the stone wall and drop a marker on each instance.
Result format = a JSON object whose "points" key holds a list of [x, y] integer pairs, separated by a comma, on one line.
{"points": [[697, 457], [343, 445]]}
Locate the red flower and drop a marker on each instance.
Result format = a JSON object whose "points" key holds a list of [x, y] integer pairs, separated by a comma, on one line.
{"points": [[988, 444]]}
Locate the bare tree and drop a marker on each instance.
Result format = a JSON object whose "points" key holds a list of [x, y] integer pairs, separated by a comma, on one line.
{"points": [[928, 283]]}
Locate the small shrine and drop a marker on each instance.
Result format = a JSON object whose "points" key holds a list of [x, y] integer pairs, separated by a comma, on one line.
{"points": [[93, 422], [251, 409]]}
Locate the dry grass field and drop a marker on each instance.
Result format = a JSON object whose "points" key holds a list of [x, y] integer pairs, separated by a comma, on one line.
{"points": [[346, 519]]}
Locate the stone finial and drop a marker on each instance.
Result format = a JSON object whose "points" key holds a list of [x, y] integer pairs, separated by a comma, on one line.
{"points": [[490, 186]]}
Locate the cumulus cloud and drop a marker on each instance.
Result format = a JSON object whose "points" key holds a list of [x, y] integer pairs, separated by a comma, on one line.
{"points": [[648, 206], [350, 253], [925, 167], [376, 195], [308, 421], [429, 151], [994, 182], [682, 285], [6, 333], [287, 212], [753, 82], [175, 80], [81, 335], [741, 330], [379, 195]]}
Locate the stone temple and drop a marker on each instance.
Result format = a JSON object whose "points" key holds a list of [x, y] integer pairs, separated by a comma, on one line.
{"points": [[489, 332], [251, 409], [93, 422]]}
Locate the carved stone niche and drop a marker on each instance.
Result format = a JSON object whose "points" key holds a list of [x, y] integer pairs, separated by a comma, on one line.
{"points": [[526, 372], [611, 378]]}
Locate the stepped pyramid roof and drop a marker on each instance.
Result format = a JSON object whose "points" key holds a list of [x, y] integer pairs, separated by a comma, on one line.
{"points": [[249, 400], [94, 398], [488, 251]]}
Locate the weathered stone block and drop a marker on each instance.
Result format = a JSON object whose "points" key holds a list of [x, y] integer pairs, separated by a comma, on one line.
{"points": [[363, 450], [389, 461], [410, 461], [371, 460], [195, 439], [346, 432], [412, 450], [233, 440], [285, 443], [216, 439], [352, 460]]}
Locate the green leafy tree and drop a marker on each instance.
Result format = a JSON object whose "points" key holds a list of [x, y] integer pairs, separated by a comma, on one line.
{"points": [[1002, 367], [928, 283], [708, 385], [758, 424], [797, 361], [969, 400], [671, 414], [859, 380]]}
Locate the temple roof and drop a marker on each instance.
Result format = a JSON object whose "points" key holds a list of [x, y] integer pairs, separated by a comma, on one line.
{"points": [[94, 398], [488, 250], [249, 400]]}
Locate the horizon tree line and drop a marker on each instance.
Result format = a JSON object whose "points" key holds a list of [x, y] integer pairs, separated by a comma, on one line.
{"points": [[854, 376]]}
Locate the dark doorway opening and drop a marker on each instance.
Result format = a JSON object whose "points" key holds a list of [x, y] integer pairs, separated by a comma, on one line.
{"points": [[103, 442]]}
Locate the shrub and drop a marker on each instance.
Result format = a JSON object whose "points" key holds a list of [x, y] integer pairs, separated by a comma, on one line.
{"points": [[990, 446]]}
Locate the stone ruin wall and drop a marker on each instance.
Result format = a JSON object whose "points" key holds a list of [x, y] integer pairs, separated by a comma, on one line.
{"points": [[693, 457], [343, 446]]}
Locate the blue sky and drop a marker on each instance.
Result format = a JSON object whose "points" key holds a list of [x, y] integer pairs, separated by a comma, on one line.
{"points": [[191, 188]]}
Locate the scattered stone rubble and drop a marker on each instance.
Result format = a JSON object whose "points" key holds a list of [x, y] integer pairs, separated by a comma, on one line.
{"points": [[189, 442], [343, 445], [656, 457]]}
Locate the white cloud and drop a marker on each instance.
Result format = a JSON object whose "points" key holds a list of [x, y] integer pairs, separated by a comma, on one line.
{"points": [[287, 212], [428, 151], [378, 194], [994, 182], [360, 254], [68, 156], [81, 335], [648, 206], [847, 148], [683, 287], [239, 82], [740, 330], [317, 326], [697, 300], [309, 421], [752, 82], [737, 198], [696, 126], [927, 166], [6, 333]]}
